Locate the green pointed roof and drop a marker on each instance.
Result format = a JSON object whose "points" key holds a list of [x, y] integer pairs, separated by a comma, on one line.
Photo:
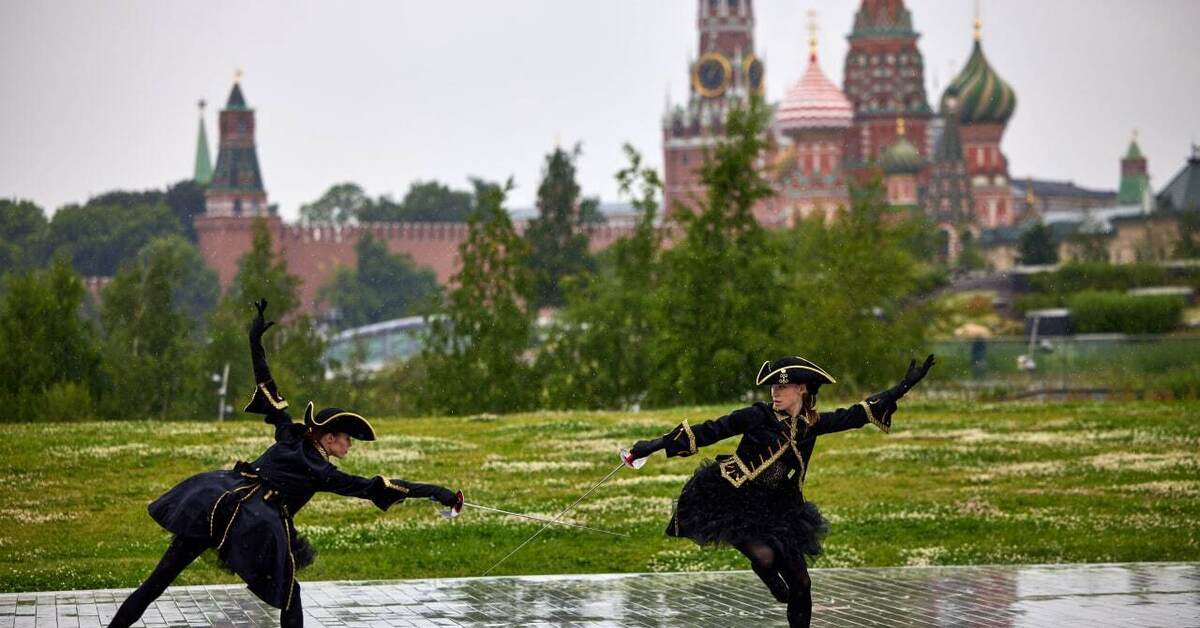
{"points": [[236, 100], [901, 157], [202, 173], [982, 95], [1134, 152]]}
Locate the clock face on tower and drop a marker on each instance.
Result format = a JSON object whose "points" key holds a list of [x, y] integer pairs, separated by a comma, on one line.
{"points": [[711, 75], [752, 68]]}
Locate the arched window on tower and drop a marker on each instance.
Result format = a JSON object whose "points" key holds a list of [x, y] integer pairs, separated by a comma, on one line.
{"points": [[237, 207]]}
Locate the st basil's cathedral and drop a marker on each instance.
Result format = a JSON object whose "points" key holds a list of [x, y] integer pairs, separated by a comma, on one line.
{"points": [[947, 163]]}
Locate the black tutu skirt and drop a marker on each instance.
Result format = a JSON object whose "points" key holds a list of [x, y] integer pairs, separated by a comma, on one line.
{"points": [[711, 511], [251, 535]]}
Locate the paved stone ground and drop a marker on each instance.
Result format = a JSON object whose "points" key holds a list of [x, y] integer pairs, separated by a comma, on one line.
{"points": [[1061, 596]]}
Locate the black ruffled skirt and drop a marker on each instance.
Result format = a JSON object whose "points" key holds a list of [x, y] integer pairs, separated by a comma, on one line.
{"points": [[710, 511], [252, 536]]}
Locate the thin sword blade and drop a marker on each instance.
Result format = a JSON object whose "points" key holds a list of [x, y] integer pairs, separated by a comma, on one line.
{"points": [[564, 511], [543, 519]]}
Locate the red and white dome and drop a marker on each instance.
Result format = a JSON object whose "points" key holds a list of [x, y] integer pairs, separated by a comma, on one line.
{"points": [[814, 102]]}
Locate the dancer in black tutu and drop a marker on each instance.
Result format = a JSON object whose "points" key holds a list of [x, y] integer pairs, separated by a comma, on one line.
{"points": [[245, 513], [753, 500]]}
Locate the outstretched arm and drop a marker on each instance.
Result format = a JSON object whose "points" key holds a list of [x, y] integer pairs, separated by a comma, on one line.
{"points": [[383, 492], [266, 399], [876, 409], [686, 439]]}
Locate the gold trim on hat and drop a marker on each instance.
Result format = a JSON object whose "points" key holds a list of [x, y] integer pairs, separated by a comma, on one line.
{"points": [[311, 417], [762, 380]]}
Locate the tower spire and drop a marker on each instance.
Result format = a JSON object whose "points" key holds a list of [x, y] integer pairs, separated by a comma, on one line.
{"points": [[812, 36], [202, 170], [978, 23]]}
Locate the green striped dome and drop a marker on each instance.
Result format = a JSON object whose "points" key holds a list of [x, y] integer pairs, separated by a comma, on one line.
{"points": [[901, 157], [982, 95]]}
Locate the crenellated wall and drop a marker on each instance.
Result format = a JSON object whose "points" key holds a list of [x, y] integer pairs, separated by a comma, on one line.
{"points": [[313, 252]]}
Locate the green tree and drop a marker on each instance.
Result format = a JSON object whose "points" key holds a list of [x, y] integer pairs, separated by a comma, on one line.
{"points": [[341, 203], [186, 200], [293, 347], [475, 356], [382, 287], [849, 301], [430, 201], [23, 229], [969, 255], [711, 322], [152, 345], [558, 240], [52, 365], [597, 355], [1037, 245], [98, 237]]}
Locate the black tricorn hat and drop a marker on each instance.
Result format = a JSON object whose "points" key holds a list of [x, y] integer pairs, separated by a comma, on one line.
{"points": [[792, 369], [338, 420]]}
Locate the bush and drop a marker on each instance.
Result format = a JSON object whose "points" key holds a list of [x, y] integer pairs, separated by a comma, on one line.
{"points": [[1037, 301], [1111, 312], [1079, 276]]}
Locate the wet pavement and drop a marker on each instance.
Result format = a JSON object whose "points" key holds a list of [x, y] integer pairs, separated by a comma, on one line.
{"points": [[1061, 596]]}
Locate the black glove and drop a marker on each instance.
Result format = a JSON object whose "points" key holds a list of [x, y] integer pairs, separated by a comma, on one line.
{"points": [[259, 325], [445, 496], [644, 448], [913, 375]]}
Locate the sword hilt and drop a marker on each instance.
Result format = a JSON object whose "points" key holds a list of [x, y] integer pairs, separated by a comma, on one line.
{"points": [[456, 509], [631, 462]]}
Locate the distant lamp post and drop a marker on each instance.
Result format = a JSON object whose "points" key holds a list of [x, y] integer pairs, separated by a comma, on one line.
{"points": [[223, 380]]}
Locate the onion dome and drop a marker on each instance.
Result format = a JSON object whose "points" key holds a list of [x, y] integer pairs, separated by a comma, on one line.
{"points": [[814, 102], [982, 95], [901, 157]]}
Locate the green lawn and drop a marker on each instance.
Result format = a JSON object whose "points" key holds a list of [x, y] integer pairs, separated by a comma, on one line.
{"points": [[955, 483]]}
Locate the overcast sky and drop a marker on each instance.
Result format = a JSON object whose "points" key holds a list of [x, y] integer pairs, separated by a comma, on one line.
{"points": [[102, 95]]}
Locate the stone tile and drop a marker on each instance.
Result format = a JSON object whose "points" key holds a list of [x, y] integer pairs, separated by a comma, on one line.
{"points": [[1062, 596]]}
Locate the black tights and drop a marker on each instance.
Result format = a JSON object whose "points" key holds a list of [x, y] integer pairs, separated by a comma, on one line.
{"points": [[786, 577], [179, 555]]}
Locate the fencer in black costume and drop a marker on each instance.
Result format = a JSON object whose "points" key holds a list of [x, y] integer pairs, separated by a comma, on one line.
{"points": [[246, 513], [753, 500]]}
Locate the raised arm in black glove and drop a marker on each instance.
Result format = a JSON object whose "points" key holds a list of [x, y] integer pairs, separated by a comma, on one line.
{"points": [[266, 399], [881, 406], [258, 326]]}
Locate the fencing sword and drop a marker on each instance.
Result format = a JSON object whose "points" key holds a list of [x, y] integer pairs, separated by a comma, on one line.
{"points": [[627, 460], [457, 508]]}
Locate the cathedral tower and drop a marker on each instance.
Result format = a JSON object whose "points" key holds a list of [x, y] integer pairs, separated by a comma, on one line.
{"points": [[725, 70], [985, 103], [885, 78], [815, 117], [236, 188]]}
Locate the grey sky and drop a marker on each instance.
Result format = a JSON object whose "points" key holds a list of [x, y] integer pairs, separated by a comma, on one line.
{"points": [[101, 95]]}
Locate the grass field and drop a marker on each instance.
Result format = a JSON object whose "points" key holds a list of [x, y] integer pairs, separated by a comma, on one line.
{"points": [[955, 483]]}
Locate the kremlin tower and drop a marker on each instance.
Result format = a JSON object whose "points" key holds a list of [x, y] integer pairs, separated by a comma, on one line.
{"points": [[236, 188], [1135, 182], [984, 103], [235, 194], [885, 79], [814, 120], [725, 71]]}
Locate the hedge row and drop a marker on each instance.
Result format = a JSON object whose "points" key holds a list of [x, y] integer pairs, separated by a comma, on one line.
{"points": [[1094, 312], [1079, 276]]}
